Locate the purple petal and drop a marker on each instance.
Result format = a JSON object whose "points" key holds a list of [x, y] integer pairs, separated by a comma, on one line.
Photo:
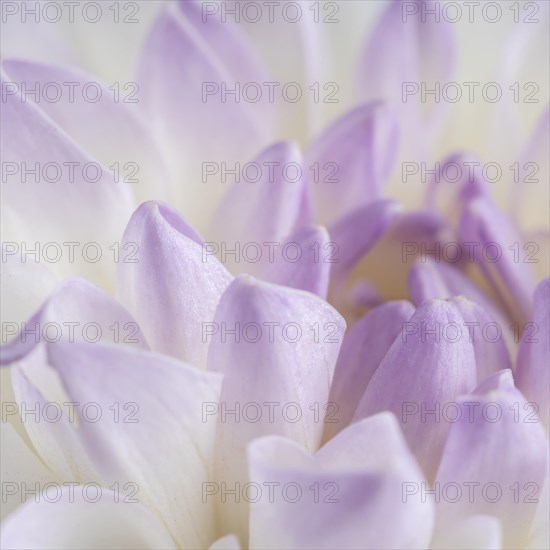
{"points": [[426, 371], [307, 264], [173, 286], [351, 161], [486, 335], [406, 48], [533, 372], [458, 179], [364, 347], [359, 475], [497, 440], [432, 279], [493, 239], [194, 127], [263, 211], [77, 311], [283, 352]]}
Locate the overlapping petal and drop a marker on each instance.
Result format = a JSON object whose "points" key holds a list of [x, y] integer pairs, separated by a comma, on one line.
{"points": [[355, 481], [496, 426], [428, 366]]}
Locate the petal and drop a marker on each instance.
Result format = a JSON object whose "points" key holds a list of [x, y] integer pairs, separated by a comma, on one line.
{"points": [[431, 279], [459, 178], [183, 59], [283, 352], [109, 128], [533, 372], [426, 372], [172, 286], [67, 519], [406, 43], [407, 47], [364, 347], [491, 237], [486, 336], [64, 213], [162, 445], [351, 160], [76, 311], [358, 478], [496, 440], [264, 208], [307, 262]]}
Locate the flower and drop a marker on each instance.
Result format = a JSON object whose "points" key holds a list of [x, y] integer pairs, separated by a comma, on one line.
{"points": [[267, 385]]}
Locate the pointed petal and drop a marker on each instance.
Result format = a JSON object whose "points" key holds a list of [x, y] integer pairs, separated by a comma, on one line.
{"points": [[432, 279], [351, 161], [426, 371], [406, 47], [533, 371], [364, 347], [484, 226], [171, 286], [496, 427], [308, 262], [67, 519], [359, 476], [264, 208]]}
